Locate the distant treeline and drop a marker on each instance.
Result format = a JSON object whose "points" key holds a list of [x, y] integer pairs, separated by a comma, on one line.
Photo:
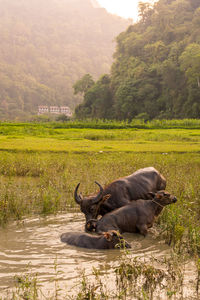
{"points": [[46, 45], [156, 69]]}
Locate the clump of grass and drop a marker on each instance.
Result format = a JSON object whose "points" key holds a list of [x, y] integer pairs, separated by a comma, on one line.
{"points": [[131, 278], [135, 277], [50, 200], [29, 164], [10, 205], [180, 223], [27, 287]]}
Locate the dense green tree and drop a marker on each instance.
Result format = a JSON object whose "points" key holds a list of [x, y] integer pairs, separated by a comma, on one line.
{"points": [[127, 102], [190, 63], [97, 100], [82, 85], [156, 68]]}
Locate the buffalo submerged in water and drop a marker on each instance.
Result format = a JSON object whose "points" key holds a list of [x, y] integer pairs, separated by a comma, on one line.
{"points": [[120, 192], [107, 240]]}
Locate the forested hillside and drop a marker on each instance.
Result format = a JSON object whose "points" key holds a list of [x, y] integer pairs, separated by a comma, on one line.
{"points": [[156, 70], [45, 46]]}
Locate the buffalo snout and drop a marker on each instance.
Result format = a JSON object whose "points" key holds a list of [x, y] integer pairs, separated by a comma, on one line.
{"points": [[172, 198]]}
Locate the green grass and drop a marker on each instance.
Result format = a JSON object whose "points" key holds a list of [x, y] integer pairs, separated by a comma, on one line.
{"points": [[48, 127], [40, 169], [34, 137], [29, 144]]}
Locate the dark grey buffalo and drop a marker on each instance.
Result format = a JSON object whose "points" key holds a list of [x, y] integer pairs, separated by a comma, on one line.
{"points": [[107, 240], [120, 192], [136, 216]]}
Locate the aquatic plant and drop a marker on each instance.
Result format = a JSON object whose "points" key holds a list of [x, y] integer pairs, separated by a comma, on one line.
{"points": [[131, 278]]}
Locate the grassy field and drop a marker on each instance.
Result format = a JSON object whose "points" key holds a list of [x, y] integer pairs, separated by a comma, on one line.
{"points": [[40, 165], [57, 138]]}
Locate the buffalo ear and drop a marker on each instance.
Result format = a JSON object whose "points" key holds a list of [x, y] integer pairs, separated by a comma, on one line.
{"points": [[116, 233], [106, 197], [108, 236], [151, 195]]}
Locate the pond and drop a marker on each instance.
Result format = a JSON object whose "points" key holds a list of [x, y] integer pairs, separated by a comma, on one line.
{"points": [[34, 245]]}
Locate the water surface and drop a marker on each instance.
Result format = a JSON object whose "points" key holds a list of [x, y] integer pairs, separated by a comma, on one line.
{"points": [[34, 246]]}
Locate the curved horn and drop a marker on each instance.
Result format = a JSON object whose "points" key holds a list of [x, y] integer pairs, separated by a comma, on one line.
{"points": [[77, 197], [100, 194]]}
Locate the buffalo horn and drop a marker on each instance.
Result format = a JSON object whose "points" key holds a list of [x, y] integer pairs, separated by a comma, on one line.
{"points": [[77, 197], [100, 194]]}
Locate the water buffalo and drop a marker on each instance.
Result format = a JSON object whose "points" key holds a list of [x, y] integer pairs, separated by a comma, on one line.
{"points": [[120, 192], [136, 216], [107, 240]]}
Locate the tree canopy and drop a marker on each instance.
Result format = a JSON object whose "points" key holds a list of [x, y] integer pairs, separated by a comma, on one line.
{"points": [[156, 68]]}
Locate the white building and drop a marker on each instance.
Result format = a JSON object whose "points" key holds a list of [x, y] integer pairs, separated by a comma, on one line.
{"points": [[54, 110], [58, 110], [42, 109], [65, 110]]}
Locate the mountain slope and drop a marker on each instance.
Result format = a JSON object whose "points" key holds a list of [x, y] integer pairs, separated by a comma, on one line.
{"points": [[46, 45]]}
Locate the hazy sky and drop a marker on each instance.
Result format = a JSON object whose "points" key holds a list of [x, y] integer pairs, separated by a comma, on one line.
{"points": [[123, 8]]}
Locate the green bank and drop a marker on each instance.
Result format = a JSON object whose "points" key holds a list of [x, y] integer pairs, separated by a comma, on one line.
{"points": [[120, 138]]}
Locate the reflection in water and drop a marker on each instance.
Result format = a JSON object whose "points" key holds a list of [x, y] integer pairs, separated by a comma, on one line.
{"points": [[36, 242]]}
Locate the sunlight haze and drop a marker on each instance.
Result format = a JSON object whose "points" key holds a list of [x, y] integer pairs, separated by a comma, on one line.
{"points": [[123, 8]]}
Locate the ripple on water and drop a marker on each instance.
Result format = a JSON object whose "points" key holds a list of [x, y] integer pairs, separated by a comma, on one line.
{"points": [[36, 242]]}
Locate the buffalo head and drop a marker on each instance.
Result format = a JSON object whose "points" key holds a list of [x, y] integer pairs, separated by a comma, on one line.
{"points": [[163, 198], [115, 240], [90, 205]]}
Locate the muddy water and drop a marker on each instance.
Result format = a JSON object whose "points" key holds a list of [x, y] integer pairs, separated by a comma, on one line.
{"points": [[34, 246]]}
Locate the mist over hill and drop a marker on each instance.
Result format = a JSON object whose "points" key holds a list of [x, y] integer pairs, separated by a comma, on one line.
{"points": [[46, 45]]}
